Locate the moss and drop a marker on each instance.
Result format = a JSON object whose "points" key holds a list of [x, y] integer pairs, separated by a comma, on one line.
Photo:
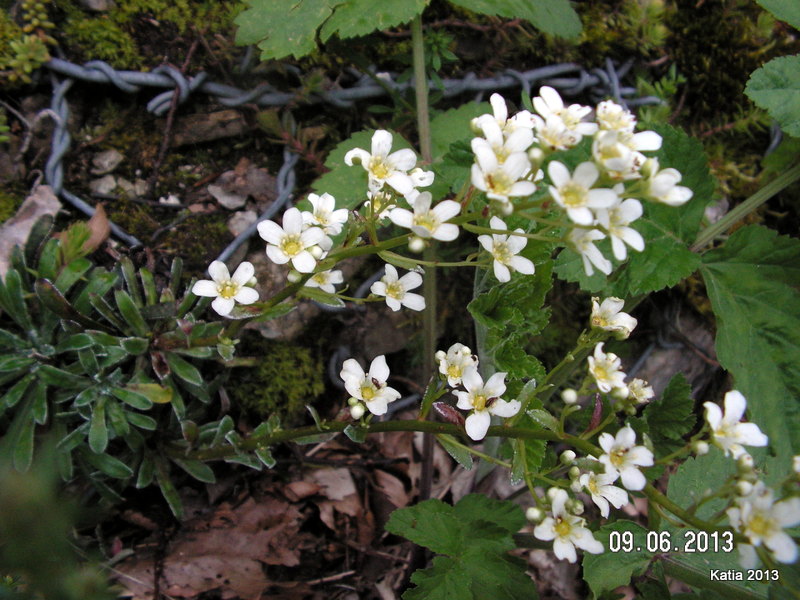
{"points": [[287, 377], [100, 38], [9, 203], [198, 239]]}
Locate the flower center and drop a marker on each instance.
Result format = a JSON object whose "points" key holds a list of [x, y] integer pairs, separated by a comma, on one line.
{"points": [[454, 371], [427, 220], [227, 290], [617, 457], [760, 526], [479, 401], [573, 194], [395, 290], [592, 485], [499, 183], [378, 168], [290, 245], [367, 392], [501, 253], [562, 528], [320, 278]]}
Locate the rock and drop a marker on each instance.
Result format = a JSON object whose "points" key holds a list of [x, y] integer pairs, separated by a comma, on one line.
{"points": [[205, 127], [105, 162], [16, 230], [241, 220], [98, 5], [104, 185], [229, 200]]}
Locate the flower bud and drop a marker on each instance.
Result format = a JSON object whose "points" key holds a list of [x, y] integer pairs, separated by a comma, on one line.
{"points": [[569, 396], [744, 464], [534, 515], [440, 355], [552, 492], [353, 401], [744, 488], [357, 411], [293, 276], [475, 126], [796, 464], [416, 245], [536, 156], [567, 456], [576, 486], [700, 448], [253, 282], [574, 506], [574, 472], [316, 252]]}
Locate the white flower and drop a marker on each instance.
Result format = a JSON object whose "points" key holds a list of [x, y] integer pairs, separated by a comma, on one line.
{"points": [[623, 457], [290, 242], [324, 215], [726, 430], [762, 521], [582, 240], [453, 363], [484, 400], [605, 369], [500, 181], [640, 391], [325, 280], [611, 115], [395, 289], [226, 289], [500, 115], [662, 185], [429, 222], [553, 134], [381, 203], [602, 492], [370, 387], [383, 167], [615, 220], [574, 194], [620, 152], [549, 104], [567, 531], [796, 464], [609, 317], [502, 144], [504, 249]]}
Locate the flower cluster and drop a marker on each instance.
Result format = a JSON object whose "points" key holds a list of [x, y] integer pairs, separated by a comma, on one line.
{"points": [[605, 369], [368, 389], [727, 432], [565, 529], [482, 399], [596, 195]]}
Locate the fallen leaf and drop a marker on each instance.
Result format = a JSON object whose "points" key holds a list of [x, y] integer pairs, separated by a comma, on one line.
{"points": [[16, 230]]}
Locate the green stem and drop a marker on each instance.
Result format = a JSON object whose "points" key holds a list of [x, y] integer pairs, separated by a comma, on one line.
{"points": [[655, 496], [421, 89], [781, 182], [530, 236]]}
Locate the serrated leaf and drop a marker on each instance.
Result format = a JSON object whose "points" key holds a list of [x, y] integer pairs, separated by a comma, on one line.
{"points": [[431, 524], [183, 369], [785, 10], [528, 454], [752, 282], [460, 454], [556, 17], [775, 87], [197, 469], [609, 570], [282, 29], [354, 18], [671, 416]]}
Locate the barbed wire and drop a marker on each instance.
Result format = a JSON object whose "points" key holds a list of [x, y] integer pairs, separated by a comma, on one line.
{"points": [[569, 78]]}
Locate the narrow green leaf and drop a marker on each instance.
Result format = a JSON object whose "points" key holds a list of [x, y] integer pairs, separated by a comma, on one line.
{"points": [[149, 286], [457, 451], [62, 379], [24, 442], [113, 467], [49, 295], [183, 369], [109, 314], [100, 281], [71, 274], [543, 418], [117, 418], [131, 283], [135, 345], [88, 360], [141, 421], [40, 408], [265, 456], [9, 340], [79, 341], [320, 296], [133, 397], [129, 310], [15, 362], [17, 391], [175, 274], [49, 260], [39, 234], [284, 308], [224, 427], [146, 471], [98, 432], [12, 300], [197, 469]]}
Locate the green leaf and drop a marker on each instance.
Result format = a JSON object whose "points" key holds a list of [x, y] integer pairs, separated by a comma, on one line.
{"points": [[16, 392], [98, 432], [183, 369], [775, 87], [100, 281], [353, 18], [752, 282], [556, 17], [113, 467], [168, 489], [146, 471], [12, 300], [71, 274], [14, 362], [149, 286], [117, 418], [130, 312], [321, 296], [40, 408], [141, 421], [785, 10], [24, 443], [39, 235], [49, 295], [356, 433], [543, 418], [62, 379], [79, 341], [265, 456], [431, 524], [457, 451], [672, 416], [609, 570], [135, 345], [197, 469], [131, 282], [282, 28]]}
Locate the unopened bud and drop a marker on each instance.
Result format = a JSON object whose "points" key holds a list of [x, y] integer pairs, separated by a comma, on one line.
{"points": [[440, 355], [745, 463], [700, 448], [575, 485], [744, 488], [353, 401], [551, 493], [575, 506], [416, 245], [316, 252], [534, 515], [569, 396], [574, 472], [567, 456], [293, 276], [357, 411]]}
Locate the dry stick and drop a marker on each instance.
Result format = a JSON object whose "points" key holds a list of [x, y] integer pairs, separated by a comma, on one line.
{"points": [[162, 151]]}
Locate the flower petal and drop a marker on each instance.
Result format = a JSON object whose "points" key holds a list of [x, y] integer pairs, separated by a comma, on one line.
{"points": [[223, 306], [378, 369], [477, 424], [270, 232], [414, 301], [205, 287], [219, 272], [381, 143], [244, 273], [246, 295], [360, 154], [503, 408], [735, 405], [304, 262]]}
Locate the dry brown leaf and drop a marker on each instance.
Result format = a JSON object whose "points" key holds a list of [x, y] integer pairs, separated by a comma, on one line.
{"points": [[16, 230], [392, 488], [297, 490], [99, 229]]}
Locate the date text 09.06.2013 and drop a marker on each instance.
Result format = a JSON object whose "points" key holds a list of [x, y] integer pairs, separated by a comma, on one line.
{"points": [[688, 541]]}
